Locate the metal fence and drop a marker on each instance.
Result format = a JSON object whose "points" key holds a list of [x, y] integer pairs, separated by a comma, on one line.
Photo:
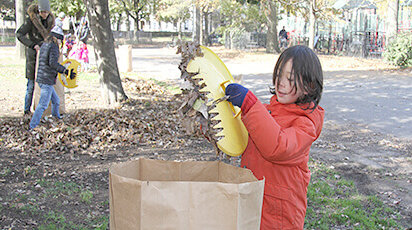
{"points": [[357, 44], [245, 40], [7, 36]]}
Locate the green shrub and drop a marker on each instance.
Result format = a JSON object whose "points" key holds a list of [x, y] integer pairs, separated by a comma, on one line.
{"points": [[399, 51]]}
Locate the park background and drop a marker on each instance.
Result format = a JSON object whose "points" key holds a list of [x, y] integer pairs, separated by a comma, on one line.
{"points": [[57, 178]]}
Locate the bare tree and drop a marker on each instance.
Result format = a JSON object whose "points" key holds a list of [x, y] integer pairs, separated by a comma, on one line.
{"points": [[103, 42]]}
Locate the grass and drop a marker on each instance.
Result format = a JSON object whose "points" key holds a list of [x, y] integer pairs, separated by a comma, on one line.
{"points": [[174, 89], [335, 203], [56, 219], [10, 69], [86, 196], [55, 188], [5, 171], [89, 76]]}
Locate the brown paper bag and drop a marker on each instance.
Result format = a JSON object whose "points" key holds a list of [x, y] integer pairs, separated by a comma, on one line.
{"points": [[59, 90], [154, 194]]}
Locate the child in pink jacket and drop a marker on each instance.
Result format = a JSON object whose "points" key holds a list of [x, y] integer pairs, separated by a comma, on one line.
{"points": [[281, 134]]}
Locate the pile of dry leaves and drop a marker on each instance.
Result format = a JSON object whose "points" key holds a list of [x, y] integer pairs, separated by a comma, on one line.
{"points": [[149, 117]]}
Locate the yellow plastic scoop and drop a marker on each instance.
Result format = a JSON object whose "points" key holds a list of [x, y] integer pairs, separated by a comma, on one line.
{"points": [[71, 65], [213, 73]]}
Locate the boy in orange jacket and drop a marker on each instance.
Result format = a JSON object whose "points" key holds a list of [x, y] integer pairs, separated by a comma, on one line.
{"points": [[281, 134]]}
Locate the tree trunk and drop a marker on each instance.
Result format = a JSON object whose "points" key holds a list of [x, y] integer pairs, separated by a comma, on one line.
{"points": [[130, 34], [136, 29], [206, 29], [179, 28], [196, 24], [201, 28], [136, 24], [272, 44], [119, 22], [20, 13], [393, 9], [103, 43], [312, 23]]}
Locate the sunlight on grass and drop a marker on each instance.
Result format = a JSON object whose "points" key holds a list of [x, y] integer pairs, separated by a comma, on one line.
{"points": [[56, 219], [335, 203], [173, 89], [86, 196], [12, 70]]}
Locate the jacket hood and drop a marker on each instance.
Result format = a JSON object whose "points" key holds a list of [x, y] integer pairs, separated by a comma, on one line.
{"points": [[33, 12]]}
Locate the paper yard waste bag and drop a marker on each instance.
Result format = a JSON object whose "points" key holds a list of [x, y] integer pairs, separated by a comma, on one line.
{"points": [[59, 90], [154, 194]]}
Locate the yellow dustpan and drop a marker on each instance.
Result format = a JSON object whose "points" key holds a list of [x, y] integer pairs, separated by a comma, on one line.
{"points": [[214, 74], [71, 65]]}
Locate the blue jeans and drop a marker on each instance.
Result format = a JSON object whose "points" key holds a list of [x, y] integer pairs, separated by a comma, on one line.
{"points": [[29, 95], [47, 93]]}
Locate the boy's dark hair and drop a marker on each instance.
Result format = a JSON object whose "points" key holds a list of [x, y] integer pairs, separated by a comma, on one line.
{"points": [[307, 71]]}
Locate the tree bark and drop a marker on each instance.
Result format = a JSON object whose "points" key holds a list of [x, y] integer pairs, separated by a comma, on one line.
{"points": [[272, 44], [312, 23], [119, 22], [393, 9], [103, 42], [206, 29], [179, 28], [20, 14], [201, 29], [196, 24]]}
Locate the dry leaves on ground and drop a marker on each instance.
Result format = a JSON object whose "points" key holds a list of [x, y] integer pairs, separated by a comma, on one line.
{"points": [[148, 118]]}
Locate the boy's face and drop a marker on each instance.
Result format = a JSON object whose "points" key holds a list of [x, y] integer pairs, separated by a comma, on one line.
{"points": [[285, 87]]}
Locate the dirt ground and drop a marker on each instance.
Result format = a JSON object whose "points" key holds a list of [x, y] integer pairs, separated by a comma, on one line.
{"points": [[377, 162]]}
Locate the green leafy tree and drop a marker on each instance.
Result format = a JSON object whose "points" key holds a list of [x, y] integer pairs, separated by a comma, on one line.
{"points": [[311, 10], [117, 14], [75, 7], [205, 8], [399, 50], [176, 11], [136, 9], [239, 17]]}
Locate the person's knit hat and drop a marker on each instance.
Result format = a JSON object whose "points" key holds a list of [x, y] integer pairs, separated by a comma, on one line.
{"points": [[44, 5], [57, 32]]}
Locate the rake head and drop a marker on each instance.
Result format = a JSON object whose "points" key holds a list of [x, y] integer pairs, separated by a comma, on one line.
{"points": [[71, 65], [208, 77]]}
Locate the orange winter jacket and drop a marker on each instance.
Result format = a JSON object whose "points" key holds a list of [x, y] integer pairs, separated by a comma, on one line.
{"points": [[280, 136]]}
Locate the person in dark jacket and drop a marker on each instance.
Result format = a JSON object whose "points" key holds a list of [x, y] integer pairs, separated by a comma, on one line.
{"points": [[32, 34], [46, 76], [283, 36]]}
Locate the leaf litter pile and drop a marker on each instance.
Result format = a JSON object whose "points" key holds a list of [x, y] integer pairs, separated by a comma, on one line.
{"points": [[150, 118]]}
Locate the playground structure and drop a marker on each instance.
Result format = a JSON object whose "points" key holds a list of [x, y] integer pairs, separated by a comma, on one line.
{"points": [[359, 31]]}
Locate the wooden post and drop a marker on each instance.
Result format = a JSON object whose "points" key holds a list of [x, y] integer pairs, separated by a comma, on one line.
{"points": [[125, 58]]}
